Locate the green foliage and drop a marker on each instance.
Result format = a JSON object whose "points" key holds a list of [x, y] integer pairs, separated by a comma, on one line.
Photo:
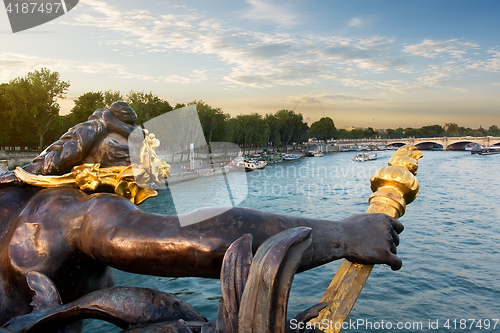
{"points": [[147, 106], [212, 121], [323, 129], [179, 105], [398, 133], [291, 126], [6, 134], [494, 130], [252, 130], [32, 104], [85, 105], [110, 97]]}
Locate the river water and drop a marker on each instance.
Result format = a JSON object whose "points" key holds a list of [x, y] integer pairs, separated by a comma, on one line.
{"points": [[450, 245]]}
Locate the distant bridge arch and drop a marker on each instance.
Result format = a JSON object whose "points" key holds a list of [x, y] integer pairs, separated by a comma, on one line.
{"points": [[448, 143]]}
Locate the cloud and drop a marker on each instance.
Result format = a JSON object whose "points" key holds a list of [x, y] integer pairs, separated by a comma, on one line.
{"points": [[267, 12], [430, 48], [14, 64], [355, 22], [434, 76], [490, 65], [246, 58], [343, 98], [254, 59]]}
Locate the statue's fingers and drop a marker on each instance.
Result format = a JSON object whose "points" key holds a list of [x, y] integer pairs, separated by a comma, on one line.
{"points": [[395, 237], [393, 248], [397, 226], [394, 261]]}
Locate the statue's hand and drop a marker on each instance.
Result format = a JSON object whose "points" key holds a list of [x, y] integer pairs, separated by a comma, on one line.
{"points": [[372, 239]]}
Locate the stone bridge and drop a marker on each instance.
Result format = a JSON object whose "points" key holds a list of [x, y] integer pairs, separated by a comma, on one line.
{"points": [[448, 143]]}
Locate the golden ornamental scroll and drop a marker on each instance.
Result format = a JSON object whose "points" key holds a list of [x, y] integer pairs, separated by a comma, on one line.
{"points": [[394, 186]]}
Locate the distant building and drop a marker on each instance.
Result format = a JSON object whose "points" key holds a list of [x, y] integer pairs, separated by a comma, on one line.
{"points": [[350, 128]]}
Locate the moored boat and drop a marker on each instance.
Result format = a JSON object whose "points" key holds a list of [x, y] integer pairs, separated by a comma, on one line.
{"points": [[291, 157], [319, 153], [253, 164], [480, 150], [310, 153]]}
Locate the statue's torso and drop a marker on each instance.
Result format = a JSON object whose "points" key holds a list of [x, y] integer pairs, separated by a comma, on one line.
{"points": [[36, 227]]}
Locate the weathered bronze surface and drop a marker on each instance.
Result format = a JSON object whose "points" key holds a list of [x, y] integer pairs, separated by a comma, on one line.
{"points": [[73, 238], [123, 306]]}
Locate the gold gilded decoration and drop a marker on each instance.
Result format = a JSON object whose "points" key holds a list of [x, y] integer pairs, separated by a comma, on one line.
{"points": [[131, 182], [407, 158], [151, 169], [394, 187]]}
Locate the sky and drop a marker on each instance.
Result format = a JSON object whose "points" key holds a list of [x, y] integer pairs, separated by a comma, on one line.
{"points": [[382, 64]]}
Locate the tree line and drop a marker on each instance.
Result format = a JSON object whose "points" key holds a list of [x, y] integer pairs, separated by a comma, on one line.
{"points": [[30, 118]]}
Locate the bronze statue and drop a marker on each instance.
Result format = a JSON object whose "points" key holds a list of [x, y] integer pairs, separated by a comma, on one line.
{"points": [[73, 237]]}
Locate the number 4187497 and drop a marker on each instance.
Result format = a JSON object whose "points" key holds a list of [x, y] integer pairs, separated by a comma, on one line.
{"points": [[34, 7], [471, 324]]}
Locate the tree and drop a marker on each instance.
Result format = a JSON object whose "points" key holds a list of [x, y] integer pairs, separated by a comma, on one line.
{"points": [[6, 132], [343, 134], [454, 130], [274, 126], [411, 132], [85, 105], [395, 133], [369, 133], [292, 126], [212, 121], [252, 129], [110, 97], [323, 129], [33, 101], [147, 106], [494, 130], [431, 131]]}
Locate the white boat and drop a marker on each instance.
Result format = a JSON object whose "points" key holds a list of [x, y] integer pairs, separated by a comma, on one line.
{"points": [[362, 157], [291, 157], [471, 146], [319, 153]]}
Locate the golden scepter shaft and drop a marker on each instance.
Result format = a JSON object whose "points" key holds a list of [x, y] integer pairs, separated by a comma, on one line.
{"points": [[394, 186]]}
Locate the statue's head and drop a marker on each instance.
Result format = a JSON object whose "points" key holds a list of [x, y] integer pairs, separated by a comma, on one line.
{"points": [[124, 112]]}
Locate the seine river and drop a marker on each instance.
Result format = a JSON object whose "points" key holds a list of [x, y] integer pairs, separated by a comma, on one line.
{"points": [[450, 245]]}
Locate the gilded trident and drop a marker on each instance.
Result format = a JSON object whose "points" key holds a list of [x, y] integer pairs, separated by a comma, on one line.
{"points": [[394, 186]]}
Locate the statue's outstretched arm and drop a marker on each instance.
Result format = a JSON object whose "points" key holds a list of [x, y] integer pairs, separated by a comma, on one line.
{"points": [[120, 235]]}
